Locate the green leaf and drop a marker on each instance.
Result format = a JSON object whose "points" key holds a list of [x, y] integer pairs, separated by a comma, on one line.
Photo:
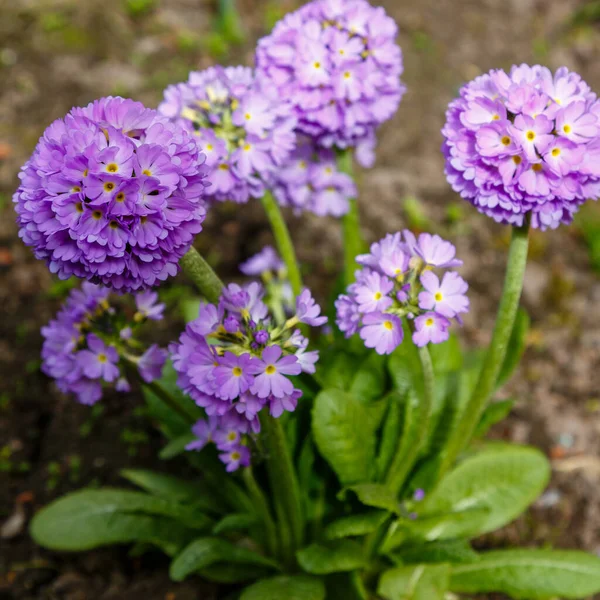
{"points": [[296, 587], [353, 525], [349, 586], [450, 551], [173, 488], [405, 367], [494, 413], [390, 436], [516, 347], [530, 574], [503, 480], [176, 446], [439, 527], [231, 573], [344, 432], [376, 495], [419, 582], [369, 382], [235, 522], [447, 357], [333, 557], [337, 369], [207, 551], [91, 518]]}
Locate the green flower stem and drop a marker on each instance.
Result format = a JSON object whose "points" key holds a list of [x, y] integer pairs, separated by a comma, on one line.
{"points": [[284, 487], [505, 320], [353, 241], [262, 509], [403, 463], [283, 241], [200, 272]]}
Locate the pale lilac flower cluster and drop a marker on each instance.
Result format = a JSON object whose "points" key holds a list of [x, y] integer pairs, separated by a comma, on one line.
{"points": [[311, 181], [84, 344], [397, 281], [243, 127], [338, 62], [112, 193], [235, 359], [525, 143]]}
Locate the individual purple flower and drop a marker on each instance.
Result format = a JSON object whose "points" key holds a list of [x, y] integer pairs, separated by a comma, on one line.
{"points": [[397, 282], [204, 431], [311, 181], [271, 371], [232, 376], [383, 332], [151, 363], [338, 63], [287, 403], [518, 145], [446, 298], [431, 327], [308, 311], [242, 125], [265, 260], [112, 193], [235, 458], [148, 306], [99, 361]]}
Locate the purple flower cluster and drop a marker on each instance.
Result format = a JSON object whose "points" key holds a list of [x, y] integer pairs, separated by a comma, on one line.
{"points": [[243, 127], [338, 62], [311, 181], [234, 360], [112, 193], [397, 280], [84, 343], [525, 143]]}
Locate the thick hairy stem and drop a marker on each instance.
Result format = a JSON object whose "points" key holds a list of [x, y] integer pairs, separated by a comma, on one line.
{"points": [[283, 241], [200, 272], [505, 320]]}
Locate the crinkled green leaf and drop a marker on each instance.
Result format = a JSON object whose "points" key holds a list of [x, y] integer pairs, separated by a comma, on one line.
{"points": [[331, 557], [443, 551], [294, 587], [344, 432], [530, 574], [91, 518], [376, 495], [369, 382], [355, 525], [418, 582], [231, 573], [207, 551], [504, 480]]}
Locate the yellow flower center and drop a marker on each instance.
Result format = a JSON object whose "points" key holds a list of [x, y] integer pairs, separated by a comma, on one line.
{"points": [[555, 151], [97, 214], [76, 188], [79, 207], [224, 167], [143, 220], [388, 325], [85, 173], [517, 160], [235, 456], [147, 172], [567, 128], [438, 297], [112, 167], [270, 370], [113, 224], [429, 322], [109, 186], [247, 148], [120, 197], [209, 147], [232, 436], [537, 167], [505, 140], [247, 116], [378, 296], [496, 118], [102, 358], [317, 65], [237, 372], [530, 135], [347, 75]]}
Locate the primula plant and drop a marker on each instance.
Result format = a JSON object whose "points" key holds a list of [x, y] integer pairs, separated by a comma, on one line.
{"points": [[338, 453]]}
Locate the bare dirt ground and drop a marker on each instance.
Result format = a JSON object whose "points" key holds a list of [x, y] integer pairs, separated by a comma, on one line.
{"points": [[58, 53]]}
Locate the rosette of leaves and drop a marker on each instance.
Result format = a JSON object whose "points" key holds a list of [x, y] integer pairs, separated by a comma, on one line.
{"points": [[365, 534]]}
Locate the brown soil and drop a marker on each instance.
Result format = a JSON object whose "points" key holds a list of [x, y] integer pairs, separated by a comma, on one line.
{"points": [[55, 54]]}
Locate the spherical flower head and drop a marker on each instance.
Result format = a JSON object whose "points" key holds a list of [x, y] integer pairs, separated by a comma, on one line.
{"points": [[525, 144], [338, 62], [112, 193], [398, 282], [310, 181], [242, 125], [84, 344]]}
